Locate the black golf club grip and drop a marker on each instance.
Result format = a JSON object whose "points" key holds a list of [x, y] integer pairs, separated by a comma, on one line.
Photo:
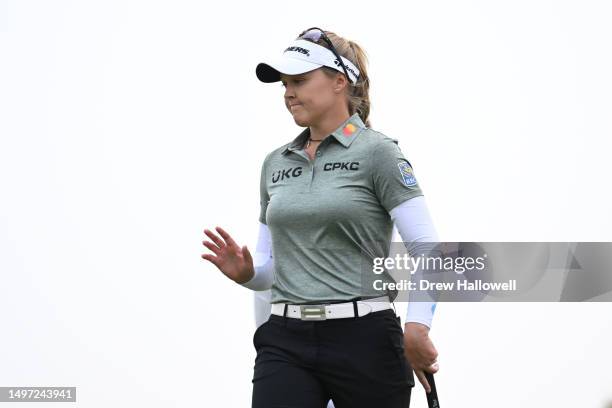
{"points": [[432, 397]]}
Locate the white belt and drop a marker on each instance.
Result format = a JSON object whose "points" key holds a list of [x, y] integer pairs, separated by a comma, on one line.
{"points": [[332, 311]]}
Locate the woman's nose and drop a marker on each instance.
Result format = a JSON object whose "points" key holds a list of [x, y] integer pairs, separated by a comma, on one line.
{"points": [[288, 91]]}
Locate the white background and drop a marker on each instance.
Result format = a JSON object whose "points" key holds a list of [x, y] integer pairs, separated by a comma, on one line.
{"points": [[128, 127]]}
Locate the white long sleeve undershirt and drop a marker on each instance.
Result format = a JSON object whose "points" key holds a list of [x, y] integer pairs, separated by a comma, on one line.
{"points": [[263, 262], [414, 224]]}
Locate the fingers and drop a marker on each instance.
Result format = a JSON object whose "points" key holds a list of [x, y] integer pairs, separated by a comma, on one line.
{"points": [[431, 357], [420, 355], [212, 259], [219, 245], [226, 237], [433, 368], [215, 239], [429, 363], [212, 247], [421, 376], [216, 249]]}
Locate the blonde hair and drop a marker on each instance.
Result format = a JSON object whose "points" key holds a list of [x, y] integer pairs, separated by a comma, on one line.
{"points": [[358, 92]]}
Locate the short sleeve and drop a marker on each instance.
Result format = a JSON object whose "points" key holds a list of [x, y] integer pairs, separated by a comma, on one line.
{"points": [[264, 198], [392, 175]]}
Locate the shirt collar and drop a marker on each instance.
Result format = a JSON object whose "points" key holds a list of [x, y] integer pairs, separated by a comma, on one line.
{"points": [[345, 134]]}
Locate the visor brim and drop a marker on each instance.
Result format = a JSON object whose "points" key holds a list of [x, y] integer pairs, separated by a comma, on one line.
{"points": [[270, 71]]}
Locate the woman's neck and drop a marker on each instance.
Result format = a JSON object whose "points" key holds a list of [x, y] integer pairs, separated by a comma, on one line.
{"points": [[328, 124]]}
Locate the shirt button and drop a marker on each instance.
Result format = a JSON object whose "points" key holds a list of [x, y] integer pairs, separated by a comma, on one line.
{"points": [[318, 152]]}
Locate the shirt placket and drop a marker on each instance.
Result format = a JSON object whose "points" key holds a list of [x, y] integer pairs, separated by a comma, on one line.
{"points": [[311, 163]]}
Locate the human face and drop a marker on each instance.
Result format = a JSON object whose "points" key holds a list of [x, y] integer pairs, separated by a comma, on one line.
{"points": [[309, 96]]}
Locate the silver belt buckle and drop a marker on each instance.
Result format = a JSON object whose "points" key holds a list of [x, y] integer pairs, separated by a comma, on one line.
{"points": [[312, 312]]}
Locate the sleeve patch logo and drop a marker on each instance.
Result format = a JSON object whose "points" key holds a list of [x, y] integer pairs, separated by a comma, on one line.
{"points": [[407, 174]]}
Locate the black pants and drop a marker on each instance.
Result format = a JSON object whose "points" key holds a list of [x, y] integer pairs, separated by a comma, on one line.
{"points": [[356, 362]]}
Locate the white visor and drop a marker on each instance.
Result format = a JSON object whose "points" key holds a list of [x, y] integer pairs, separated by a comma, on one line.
{"points": [[303, 56]]}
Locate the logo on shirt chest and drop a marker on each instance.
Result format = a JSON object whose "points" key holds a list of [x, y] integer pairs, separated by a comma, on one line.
{"points": [[341, 166], [280, 175]]}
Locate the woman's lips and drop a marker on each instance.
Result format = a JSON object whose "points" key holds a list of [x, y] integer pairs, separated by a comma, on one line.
{"points": [[297, 104]]}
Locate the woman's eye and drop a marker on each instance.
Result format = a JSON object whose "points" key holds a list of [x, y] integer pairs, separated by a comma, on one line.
{"points": [[295, 81]]}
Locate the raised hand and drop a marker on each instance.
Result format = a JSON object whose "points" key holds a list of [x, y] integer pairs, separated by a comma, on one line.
{"points": [[234, 261]]}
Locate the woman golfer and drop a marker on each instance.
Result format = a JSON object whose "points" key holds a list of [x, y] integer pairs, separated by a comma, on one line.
{"points": [[329, 200]]}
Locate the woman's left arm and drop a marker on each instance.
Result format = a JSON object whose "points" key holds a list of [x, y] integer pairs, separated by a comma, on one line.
{"points": [[415, 226]]}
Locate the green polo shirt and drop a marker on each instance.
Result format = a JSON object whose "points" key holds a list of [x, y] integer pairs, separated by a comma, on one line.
{"points": [[329, 217]]}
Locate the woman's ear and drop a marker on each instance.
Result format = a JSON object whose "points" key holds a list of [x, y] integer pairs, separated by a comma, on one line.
{"points": [[341, 82]]}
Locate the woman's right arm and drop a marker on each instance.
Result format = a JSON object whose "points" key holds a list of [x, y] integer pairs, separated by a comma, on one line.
{"points": [[236, 261], [263, 263], [264, 275]]}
